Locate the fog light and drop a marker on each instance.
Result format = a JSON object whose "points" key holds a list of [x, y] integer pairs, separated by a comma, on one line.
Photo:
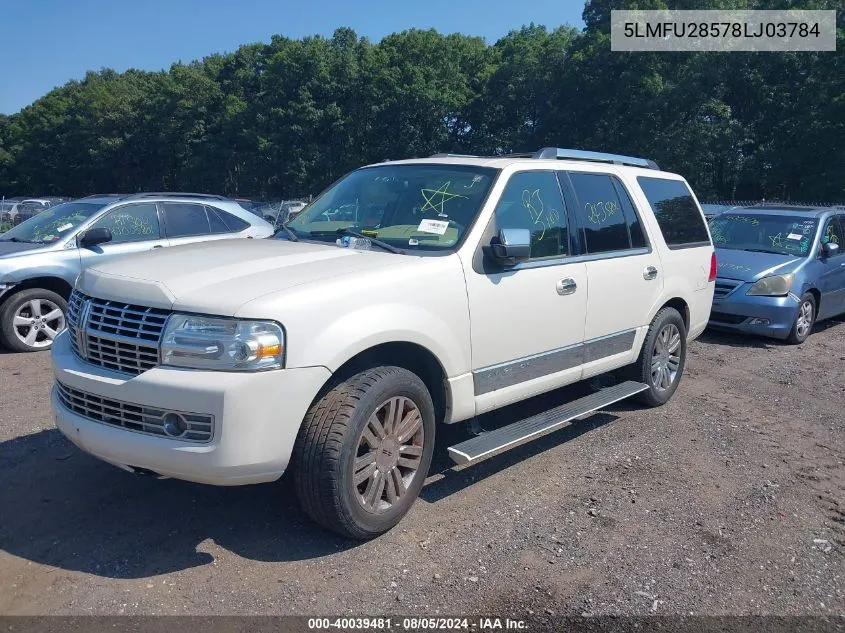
{"points": [[760, 322], [174, 424]]}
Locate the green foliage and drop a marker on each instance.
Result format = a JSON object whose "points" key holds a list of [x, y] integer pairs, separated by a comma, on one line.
{"points": [[285, 119]]}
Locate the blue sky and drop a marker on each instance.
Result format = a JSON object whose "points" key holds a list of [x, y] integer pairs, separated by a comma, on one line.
{"points": [[45, 43]]}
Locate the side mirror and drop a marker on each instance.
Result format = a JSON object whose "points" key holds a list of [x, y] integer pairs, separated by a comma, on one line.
{"points": [[93, 237], [830, 249], [511, 246]]}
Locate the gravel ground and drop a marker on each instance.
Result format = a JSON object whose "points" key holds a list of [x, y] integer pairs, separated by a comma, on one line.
{"points": [[728, 500]]}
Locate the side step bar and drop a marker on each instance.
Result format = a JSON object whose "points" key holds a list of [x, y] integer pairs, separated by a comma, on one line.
{"points": [[507, 437]]}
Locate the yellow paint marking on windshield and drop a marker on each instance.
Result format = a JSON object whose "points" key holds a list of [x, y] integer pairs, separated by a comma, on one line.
{"points": [[436, 199]]}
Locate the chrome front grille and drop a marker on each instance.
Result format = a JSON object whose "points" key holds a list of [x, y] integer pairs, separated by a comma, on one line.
{"points": [[192, 427], [724, 287], [115, 335]]}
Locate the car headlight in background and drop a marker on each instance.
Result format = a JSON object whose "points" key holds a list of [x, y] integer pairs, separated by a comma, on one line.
{"points": [[774, 286], [199, 342]]}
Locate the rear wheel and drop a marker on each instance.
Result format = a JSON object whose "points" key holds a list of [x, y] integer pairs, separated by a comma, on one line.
{"points": [[804, 320], [364, 450], [662, 358], [31, 319]]}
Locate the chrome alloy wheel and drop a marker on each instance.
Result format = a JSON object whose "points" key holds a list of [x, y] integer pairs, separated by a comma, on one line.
{"points": [[390, 450], [37, 322], [805, 319], [666, 357]]}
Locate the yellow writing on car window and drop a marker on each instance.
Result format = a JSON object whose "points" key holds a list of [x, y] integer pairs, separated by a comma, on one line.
{"points": [[599, 212], [546, 217]]}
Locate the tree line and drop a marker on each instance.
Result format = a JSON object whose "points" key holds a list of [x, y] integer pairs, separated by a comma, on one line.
{"points": [[286, 118]]}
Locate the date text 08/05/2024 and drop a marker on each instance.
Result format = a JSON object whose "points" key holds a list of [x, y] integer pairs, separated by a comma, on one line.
{"points": [[417, 624]]}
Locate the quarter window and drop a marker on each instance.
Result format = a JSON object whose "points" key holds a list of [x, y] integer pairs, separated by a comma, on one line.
{"points": [[602, 214], [184, 220], [223, 222], [532, 200], [677, 215], [131, 223]]}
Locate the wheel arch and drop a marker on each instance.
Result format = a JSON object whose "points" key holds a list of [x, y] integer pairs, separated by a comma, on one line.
{"points": [[411, 356], [48, 282], [681, 306]]}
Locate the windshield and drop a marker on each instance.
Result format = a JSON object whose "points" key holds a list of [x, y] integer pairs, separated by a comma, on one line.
{"points": [[780, 234], [53, 223], [421, 207]]}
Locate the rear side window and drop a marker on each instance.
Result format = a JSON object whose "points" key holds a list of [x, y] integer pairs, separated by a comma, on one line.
{"points": [[606, 223], [223, 222], [676, 212], [185, 219]]}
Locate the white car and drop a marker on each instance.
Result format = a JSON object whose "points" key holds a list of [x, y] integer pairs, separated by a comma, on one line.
{"points": [[461, 285]]}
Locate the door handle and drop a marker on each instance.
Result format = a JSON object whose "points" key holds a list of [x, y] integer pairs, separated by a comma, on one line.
{"points": [[649, 273], [566, 286], [157, 246]]}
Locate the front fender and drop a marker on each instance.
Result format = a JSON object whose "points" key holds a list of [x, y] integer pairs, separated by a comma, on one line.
{"points": [[366, 327]]}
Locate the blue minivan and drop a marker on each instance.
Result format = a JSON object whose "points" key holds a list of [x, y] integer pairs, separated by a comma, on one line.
{"points": [[780, 269]]}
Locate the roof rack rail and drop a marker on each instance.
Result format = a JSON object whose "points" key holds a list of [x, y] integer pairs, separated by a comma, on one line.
{"points": [[568, 154], [448, 155], [101, 195], [176, 194], [599, 157]]}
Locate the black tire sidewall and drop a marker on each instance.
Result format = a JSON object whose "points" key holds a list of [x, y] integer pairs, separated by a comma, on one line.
{"points": [[11, 305], [400, 383], [652, 396]]}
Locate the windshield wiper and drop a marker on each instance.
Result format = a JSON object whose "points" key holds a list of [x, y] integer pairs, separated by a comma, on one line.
{"points": [[388, 247], [760, 250], [17, 239], [291, 235]]}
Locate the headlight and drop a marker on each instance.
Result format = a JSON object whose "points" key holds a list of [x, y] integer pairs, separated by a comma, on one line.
{"points": [[774, 286], [199, 342]]}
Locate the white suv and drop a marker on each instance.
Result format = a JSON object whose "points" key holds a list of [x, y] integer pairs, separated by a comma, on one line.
{"points": [[409, 294]]}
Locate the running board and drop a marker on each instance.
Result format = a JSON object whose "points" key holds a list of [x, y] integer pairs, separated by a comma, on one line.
{"points": [[507, 437]]}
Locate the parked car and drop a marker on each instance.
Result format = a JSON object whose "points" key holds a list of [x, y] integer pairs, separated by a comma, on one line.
{"points": [[464, 284], [781, 269], [712, 210], [253, 206], [41, 258], [28, 208], [280, 212]]}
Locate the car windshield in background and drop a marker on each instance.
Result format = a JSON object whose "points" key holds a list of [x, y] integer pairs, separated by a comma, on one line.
{"points": [[417, 207], [780, 234], [53, 223]]}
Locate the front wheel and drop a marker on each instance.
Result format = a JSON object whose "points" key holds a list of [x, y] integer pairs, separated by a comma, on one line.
{"points": [[364, 450], [31, 319], [804, 320], [662, 358]]}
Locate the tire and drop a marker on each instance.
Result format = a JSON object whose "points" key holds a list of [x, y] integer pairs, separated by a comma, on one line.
{"points": [[338, 445], [805, 318], [658, 393], [34, 304]]}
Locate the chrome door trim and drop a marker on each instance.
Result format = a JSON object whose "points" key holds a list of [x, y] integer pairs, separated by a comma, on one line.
{"points": [[513, 372]]}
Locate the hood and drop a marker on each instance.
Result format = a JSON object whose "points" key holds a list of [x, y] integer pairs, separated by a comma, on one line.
{"points": [[10, 249], [748, 266], [220, 276]]}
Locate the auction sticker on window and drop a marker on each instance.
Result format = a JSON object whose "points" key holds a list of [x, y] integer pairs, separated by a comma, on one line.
{"points": [[794, 236], [438, 227]]}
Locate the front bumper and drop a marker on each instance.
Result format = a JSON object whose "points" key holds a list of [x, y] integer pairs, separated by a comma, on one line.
{"points": [[256, 418], [766, 316]]}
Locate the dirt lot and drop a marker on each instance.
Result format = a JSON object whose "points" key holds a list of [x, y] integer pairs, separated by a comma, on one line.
{"points": [[729, 500]]}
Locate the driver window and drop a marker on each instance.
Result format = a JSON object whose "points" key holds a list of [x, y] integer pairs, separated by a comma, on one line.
{"points": [[131, 223], [833, 233], [532, 200]]}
